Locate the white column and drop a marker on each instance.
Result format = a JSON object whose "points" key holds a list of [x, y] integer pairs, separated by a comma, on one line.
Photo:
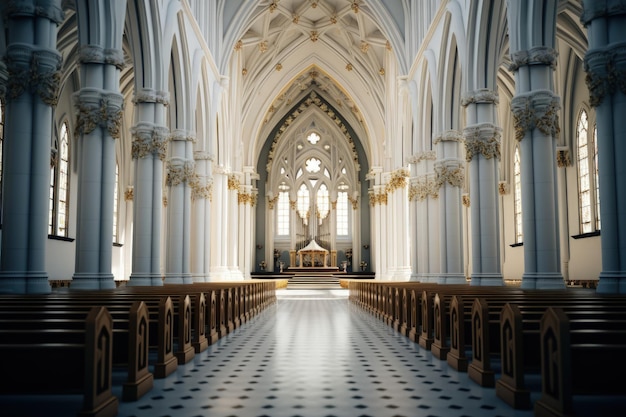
{"points": [[425, 192], [33, 66], [180, 175], [482, 152], [149, 147], [562, 161], [99, 108], [605, 62], [398, 203], [200, 194], [219, 271], [450, 175], [535, 110], [232, 236]]}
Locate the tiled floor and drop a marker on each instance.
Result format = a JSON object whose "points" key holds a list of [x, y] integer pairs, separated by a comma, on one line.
{"points": [[316, 354], [312, 354]]}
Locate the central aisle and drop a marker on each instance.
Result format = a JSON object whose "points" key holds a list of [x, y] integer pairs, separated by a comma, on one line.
{"points": [[316, 354]]}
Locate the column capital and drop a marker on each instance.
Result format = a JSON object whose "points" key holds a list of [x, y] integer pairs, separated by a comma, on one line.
{"points": [[594, 9], [149, 138], [422, 156], [35, 70], [539, 55], [180, 170], [203, 156], [538, 109], [482, 139], [606, 72], [147, 95], [480, 96], [448, 136], [98, 108], [424, 186], [182, 135], [450, 171], [40, 8], [96, 54]]}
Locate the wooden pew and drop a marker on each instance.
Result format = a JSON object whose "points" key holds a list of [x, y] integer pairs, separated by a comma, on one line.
{"points": [[79, 359], [596, 347]]}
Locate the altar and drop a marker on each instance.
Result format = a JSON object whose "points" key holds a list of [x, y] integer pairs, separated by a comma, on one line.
{"points": [[313, 255]]}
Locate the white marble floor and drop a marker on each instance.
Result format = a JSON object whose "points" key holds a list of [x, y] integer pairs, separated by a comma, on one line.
{"points": [[316, 354]]}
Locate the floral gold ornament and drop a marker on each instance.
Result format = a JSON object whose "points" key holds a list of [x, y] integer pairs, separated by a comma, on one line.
{"points": [[273, 6], [233, 182], [129, 194], [381, 71], [449, 174], [238, 45], [279, 66], [562, 158], [333, 19], [314, 36], [465, 199], [538, 110], [349, 67], [503, 188], [364, 47], [244, 71], [397, 180], [271, 202], [355, 6], [483, 139], [606, 73], [295, 18], [263, 46]]}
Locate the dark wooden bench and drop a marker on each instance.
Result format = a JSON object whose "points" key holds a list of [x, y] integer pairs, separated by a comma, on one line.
{"points": [[74, 356]]}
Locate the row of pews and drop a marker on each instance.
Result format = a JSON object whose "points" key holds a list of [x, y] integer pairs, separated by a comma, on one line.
{"points": [[573, 340], [72, 342]]}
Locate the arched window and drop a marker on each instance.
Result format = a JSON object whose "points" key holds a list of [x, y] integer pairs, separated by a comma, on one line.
{"points": [[588, 195], [116, 204], [303, 203], [282, 214], [60, 184], [517, 176], [342, 213], [596, 174], [323, 201]]}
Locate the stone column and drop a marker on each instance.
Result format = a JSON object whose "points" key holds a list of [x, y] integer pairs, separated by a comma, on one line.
{"points": [[180, 176], [426, 193], [33, 66], [535, 116], [450, 177], [378, 231], [219, 271], [148, 150], [397, 192], [200, 195], [99, 117], [482, 152], [232, 236], [605, 64]]}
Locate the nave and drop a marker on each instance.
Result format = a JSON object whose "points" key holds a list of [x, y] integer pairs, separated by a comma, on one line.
{"points": [[316, 354]]}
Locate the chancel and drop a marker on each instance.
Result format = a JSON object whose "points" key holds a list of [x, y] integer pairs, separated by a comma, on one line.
{"points": [[312, 207]]}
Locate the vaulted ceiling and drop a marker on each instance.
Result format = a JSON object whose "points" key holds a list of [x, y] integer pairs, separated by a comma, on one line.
{"points": [[337, 48]]}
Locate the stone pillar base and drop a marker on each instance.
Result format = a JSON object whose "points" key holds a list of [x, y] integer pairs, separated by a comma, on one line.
{"points": [[93, 281], [24, 282], [613, 282], [145, 280], [174, 278], [485, 280], [542, 281], [451, 279]]}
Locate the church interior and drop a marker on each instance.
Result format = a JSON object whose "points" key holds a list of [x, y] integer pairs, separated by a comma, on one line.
{"points": [[366, 207]]}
